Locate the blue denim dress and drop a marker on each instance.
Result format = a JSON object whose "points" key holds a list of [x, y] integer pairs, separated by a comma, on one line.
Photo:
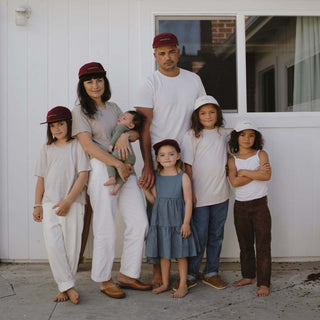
{"points": [[164, 238]]}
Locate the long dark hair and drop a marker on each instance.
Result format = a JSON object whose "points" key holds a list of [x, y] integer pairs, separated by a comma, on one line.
{"points": [[52, 139], [88, 106], [234, 145], [197, 127]]}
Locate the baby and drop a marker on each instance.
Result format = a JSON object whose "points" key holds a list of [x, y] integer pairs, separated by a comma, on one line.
{"points": [[130, 120]]}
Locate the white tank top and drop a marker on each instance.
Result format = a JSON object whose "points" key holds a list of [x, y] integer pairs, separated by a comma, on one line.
{"points": [[254, 189]]}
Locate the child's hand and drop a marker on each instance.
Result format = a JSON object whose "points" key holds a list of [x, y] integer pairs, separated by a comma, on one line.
{"points": [[185, 230], [265, 167], [110, 148], [38, 214], [240, 173], [62, 207]]}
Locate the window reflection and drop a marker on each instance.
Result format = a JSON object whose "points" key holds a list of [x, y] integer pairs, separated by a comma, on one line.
{"points": [[208, 48], [283, 63]]}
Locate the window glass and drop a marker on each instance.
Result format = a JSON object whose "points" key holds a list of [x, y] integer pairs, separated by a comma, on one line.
{"points": [[283, 63], [207, 47]]}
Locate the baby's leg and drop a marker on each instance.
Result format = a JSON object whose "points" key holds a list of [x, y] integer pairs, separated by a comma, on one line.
{"points": [[112, 174], [119, 182], [165, 274], [116, 189], [183, 269]]}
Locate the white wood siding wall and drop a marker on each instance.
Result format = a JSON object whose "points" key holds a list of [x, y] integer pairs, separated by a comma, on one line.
{"points": [[39, 66]]}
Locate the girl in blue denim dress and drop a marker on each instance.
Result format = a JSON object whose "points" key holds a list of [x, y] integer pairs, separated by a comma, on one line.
{"points": [[170, 235]]}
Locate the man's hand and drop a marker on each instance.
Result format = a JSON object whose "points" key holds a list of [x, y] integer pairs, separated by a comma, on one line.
{"points": [[146, 180]]}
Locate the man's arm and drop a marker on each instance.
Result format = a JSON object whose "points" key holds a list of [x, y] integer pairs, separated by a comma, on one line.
{"points": [[147, 178]]}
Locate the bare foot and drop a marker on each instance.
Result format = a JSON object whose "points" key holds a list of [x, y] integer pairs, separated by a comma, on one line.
{"points": [[115, 190], [110, 182], [181, 292], [243, 282], [263, 291], [73, 295], [156, 277], [161, 289], [61, 297]]}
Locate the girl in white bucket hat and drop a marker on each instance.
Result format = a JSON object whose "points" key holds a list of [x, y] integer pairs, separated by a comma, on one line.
{"points": [[249, 171]]}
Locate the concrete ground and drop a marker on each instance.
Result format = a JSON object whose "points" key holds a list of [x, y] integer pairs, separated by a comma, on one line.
{"points": [[27, 290]]}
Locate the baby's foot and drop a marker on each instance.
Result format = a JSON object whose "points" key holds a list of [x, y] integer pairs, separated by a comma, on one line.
{"points": [[73, 295], [61, 297], [115, 190], [243, 282], [263, 291], [161, 289], [181, 292], [110, 182]]}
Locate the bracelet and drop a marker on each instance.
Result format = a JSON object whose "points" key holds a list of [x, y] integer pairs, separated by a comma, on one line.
{"points": [[37, 205]]}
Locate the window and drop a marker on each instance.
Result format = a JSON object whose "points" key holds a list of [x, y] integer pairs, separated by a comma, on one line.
{"points": [[207, 47], [292, 45], [282, 59]]}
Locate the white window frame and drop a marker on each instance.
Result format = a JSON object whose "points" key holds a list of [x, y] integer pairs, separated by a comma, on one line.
{"points": [[263, 119]]}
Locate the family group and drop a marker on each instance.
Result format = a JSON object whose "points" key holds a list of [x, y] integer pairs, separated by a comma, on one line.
{"points": [[188, 159]]}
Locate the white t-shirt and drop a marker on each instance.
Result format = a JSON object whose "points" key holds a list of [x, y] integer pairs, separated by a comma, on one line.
{"points": [[59, 166], [172, 100], [100, 126], [208, 157], [255, 189]]}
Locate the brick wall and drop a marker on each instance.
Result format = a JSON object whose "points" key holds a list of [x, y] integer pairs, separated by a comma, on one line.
{"points": [[222, 30]]}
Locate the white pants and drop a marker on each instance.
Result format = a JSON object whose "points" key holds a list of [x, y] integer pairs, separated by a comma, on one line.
{"points": [[62, 237], [130, 204]]}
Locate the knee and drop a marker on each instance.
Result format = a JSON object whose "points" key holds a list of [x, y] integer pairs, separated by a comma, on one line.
{"points": [[139, 229]]}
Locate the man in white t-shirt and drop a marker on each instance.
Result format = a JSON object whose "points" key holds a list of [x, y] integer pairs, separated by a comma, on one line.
{"points": [[166, 99]]}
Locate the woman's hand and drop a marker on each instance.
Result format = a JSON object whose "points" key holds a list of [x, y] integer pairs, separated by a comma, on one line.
{"points": [[124, 170], [185, 230], [63, 207], [123, 146], [38, 214]]}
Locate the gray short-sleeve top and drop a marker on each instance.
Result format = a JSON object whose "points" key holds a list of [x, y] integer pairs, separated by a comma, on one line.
{"points": [[100, 126]]}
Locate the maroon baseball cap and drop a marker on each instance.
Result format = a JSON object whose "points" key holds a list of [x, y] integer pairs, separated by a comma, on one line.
{"points": [[58, 114], [90, 68], [165, 39], [166, 142]]}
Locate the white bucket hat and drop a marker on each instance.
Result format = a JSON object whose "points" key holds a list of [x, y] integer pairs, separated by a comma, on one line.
{"points": [[204, 100], [245, 124]]}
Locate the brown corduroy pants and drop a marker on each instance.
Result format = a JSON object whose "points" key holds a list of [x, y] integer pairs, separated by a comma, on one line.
{"points": [[253, 225]]}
